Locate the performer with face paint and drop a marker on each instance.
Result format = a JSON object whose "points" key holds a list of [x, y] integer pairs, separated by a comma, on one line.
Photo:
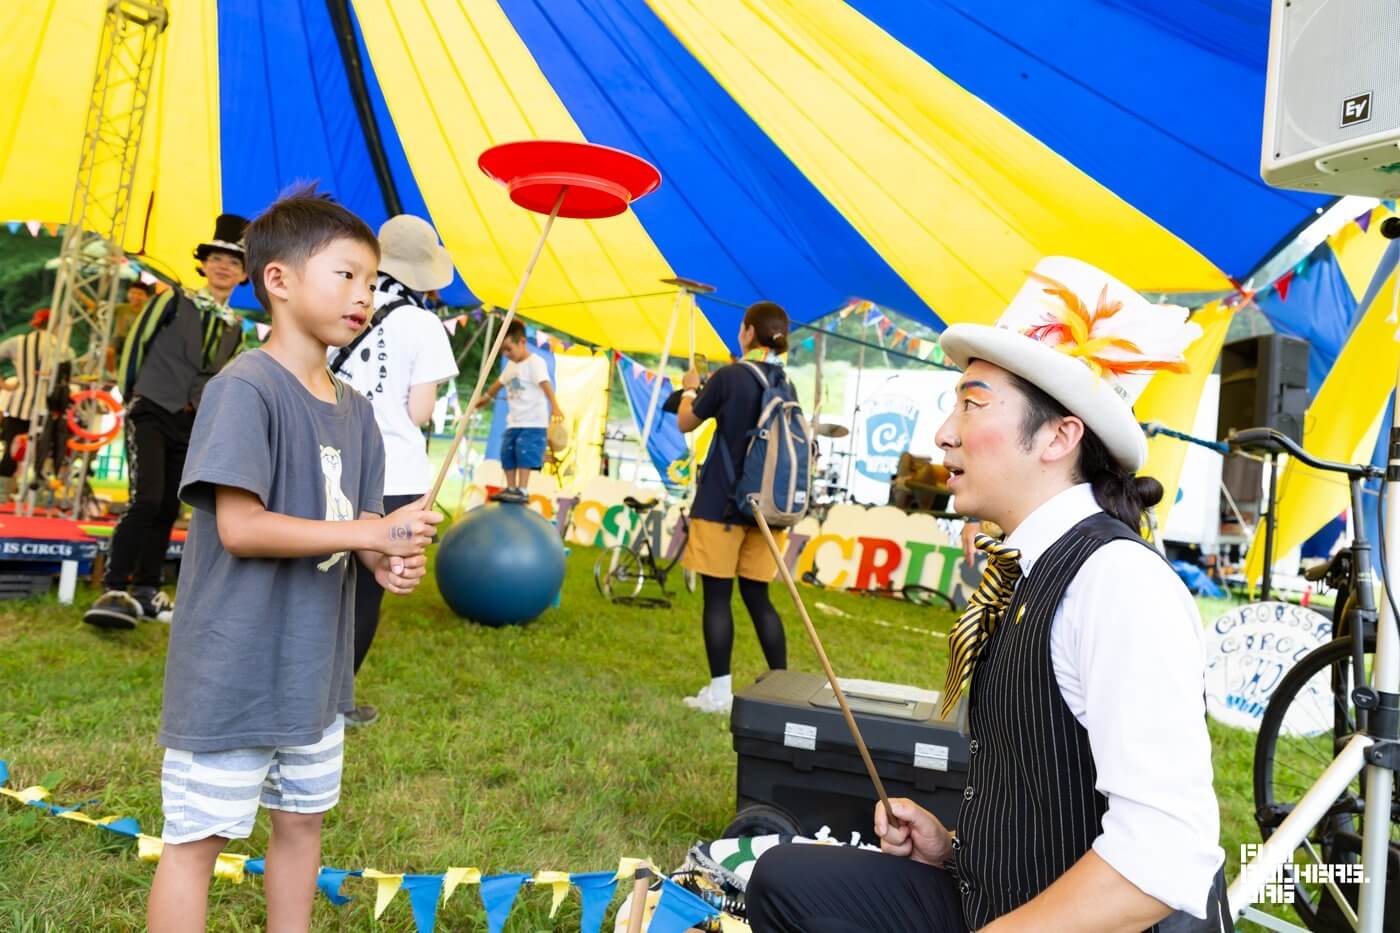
{"points": [[1089, 802]]}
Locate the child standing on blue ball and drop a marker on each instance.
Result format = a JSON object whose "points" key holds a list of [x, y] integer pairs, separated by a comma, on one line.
{"points": [[531, 406], [285, 474]]}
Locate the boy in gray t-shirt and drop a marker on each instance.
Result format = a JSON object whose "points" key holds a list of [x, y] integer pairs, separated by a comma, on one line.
{"points": [[285, 473]]}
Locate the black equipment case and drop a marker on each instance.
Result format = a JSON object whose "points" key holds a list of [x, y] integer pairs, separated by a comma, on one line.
{"points": [[797, 758]]}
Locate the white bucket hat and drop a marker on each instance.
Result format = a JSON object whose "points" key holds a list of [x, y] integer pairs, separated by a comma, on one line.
{"points": [[1086, 339], [409, 251]]}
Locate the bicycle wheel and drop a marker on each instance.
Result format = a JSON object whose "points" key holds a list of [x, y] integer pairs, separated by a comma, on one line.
{"points": [[925, 596], [1308, 719], [618, 573]]}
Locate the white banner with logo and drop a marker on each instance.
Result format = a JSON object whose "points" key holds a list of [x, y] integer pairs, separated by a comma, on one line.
{"points": [[1249, 650], [898, 410]]}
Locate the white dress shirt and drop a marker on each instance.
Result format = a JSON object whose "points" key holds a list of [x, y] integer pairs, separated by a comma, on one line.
{"points": [[1127, 652]]}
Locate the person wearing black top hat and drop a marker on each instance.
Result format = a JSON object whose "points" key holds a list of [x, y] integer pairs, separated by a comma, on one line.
{"points": [[178, 343]]}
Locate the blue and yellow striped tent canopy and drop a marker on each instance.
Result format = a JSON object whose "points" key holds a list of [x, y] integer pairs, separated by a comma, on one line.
{"points": [[922, 154]]}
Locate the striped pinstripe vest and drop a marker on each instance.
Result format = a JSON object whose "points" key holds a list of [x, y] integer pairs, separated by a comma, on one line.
{"points": [[1030, 810]]}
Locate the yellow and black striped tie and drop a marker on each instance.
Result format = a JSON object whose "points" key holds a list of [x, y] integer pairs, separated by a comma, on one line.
{"points": [[980, 617]]}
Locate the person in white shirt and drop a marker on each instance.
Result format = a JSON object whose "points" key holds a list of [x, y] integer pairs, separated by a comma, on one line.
{"points": [[532, 406], [398, 362], [1089, 802]]}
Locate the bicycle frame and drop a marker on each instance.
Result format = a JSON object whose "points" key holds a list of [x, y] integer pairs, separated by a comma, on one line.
{"points": [[1374, 748]]}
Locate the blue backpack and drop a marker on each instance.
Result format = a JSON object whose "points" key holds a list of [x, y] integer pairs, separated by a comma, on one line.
{"points": [[776, 474]]}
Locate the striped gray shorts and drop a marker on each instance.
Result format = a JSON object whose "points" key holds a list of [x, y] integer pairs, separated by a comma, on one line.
{"points": [[207, 794]]}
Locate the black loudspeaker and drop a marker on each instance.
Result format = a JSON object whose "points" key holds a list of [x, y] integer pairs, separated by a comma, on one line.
{"points": [[1264, 384]]}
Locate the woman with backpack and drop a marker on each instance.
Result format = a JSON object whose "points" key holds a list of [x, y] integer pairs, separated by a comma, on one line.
{"points": [[724, 544]]}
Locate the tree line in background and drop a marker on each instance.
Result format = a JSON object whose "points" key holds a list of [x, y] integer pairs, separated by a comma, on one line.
{"points": [[25, 285]]}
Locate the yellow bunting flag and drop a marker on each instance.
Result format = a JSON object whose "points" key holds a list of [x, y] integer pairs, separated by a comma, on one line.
{"points": [[148, 848], [728, 924], [559, 881], [229, 866], [456, 876], [627, 867], [28, 795], [388, 886], [78, 816]]}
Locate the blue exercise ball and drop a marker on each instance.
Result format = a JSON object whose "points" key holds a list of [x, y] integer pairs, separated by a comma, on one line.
{"points": [[500, 564]]}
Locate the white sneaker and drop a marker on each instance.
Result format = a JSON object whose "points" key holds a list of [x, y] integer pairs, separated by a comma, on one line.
{"points": [[707, 701]]}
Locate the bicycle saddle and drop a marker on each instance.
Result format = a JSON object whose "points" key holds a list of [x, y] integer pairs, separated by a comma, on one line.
{"points": [[639, 505]]}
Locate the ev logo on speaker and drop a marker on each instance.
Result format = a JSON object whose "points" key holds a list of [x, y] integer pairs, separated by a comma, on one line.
{"points": [[1356, 109]]}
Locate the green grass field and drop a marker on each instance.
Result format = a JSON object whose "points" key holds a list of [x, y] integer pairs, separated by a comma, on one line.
{"points": [[562, 745]]}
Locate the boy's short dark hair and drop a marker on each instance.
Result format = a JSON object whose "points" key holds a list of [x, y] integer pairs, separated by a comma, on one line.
{"points": [[297, 226], [516, 330]]}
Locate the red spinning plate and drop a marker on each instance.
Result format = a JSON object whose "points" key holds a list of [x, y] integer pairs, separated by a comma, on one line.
{"points": [[598, 181]]}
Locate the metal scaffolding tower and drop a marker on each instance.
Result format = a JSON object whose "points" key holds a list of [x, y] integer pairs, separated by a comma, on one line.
{"points": [[85, 293]]}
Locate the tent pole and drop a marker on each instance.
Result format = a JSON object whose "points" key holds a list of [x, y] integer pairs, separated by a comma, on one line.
{"points": [[855, 424], [656, 387], [690, 436], [470, 476]]}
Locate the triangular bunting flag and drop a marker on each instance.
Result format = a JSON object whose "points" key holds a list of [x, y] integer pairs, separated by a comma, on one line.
{"points": [[1364, 221], [596, 889], [899, 335], [1282, 284], [148, 848], [541, 338], [52, 229], [498, 897], [728, 924], [229, 866], [846, 310], [678, 910], [388, 886], [559, 881], [456, 876], [1389, 204], [255, 866], [27, 795], [33, 226], [263, 330], [423, 893], [627, 867], [330, 881], [147, 277], [14, 226], [122, 826], [873, 317], [72, 813], [451, 325]]}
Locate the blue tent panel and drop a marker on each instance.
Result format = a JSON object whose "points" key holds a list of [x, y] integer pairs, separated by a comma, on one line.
{"points": [[1319, 308], [1151, 99], [732, 209]]}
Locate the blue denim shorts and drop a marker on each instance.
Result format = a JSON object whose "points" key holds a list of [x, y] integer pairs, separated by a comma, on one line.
{"points": [[523, 449]]}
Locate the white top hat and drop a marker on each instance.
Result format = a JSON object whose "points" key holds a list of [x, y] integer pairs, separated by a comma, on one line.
{"points": [[409, 251], [1087, 340]]}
